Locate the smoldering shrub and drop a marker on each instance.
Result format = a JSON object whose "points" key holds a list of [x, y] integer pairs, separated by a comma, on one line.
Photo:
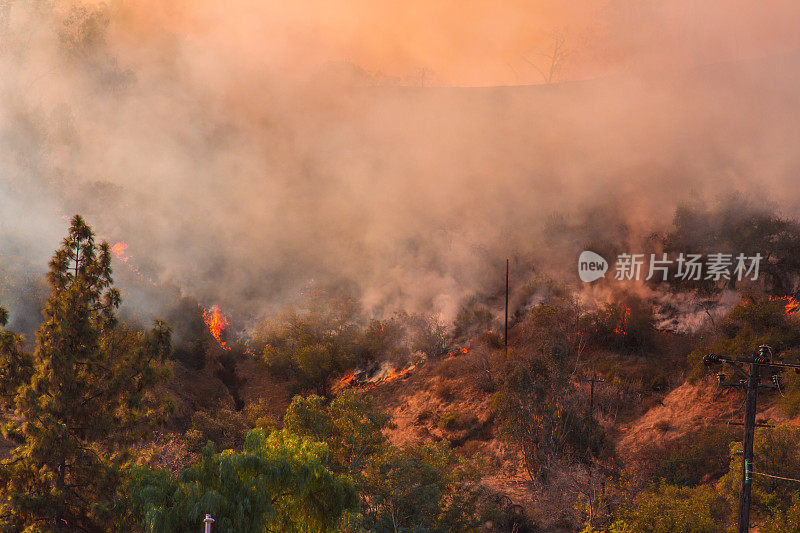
{"points": [[627, 325]]}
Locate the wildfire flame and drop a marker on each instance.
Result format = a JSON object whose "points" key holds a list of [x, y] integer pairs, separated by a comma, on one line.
{"points": [[791, 305], [216, 323], [350, 380], [623, 322], [118, 249]]}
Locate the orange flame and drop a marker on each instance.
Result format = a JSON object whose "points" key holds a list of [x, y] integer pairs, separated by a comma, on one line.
{"points": [[349, 380], [397, 374], [118, 249], [623, 322], [216, 323], [791, 305]]}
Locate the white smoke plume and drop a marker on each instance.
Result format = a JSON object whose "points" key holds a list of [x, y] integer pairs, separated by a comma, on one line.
{"points": [[242, 149]]}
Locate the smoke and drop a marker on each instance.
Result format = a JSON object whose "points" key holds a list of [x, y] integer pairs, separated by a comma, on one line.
{"points": [[242, 149]]}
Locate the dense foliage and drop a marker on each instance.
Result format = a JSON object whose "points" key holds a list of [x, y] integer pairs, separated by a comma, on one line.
{"points": [[82, 397], [278, 482]]}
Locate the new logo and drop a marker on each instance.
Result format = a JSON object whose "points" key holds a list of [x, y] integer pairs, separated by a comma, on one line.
{"points": [[591, 266]]}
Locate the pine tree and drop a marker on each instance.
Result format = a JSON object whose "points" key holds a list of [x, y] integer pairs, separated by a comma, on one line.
{"points": [[15, 365], [87, 393]]}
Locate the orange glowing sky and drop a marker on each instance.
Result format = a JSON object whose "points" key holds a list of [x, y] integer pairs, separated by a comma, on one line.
{"points": [[466, 42]]}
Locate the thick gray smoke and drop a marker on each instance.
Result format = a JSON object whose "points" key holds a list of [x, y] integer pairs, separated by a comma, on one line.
{"points": [[238, 163]]}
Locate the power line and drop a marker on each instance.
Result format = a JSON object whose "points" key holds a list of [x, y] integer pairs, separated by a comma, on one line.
{"points": [[776, 477]]}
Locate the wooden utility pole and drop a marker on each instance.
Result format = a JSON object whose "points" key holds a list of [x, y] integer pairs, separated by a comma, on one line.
{"points": [[591, 393], [505, 335], [751, 383], [747, 447]]}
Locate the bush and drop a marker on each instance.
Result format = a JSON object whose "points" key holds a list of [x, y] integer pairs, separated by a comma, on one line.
{"points": [[472, 319], [313, 344], [784, 522], [257, 415], [224, 427], [350, 425], [279, 482], [420, 488], [758, 320], [777, 452], [453, 421], [671, 509], [697, 459], [539, 410], [627, 325]]}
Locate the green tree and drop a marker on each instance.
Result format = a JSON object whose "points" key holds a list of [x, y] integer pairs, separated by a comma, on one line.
{"points": [[784, 522], [420, 489], [16, 366], [350, 425], [86, 393], [671, 509], [279, 482], [775, 452], [415, 488], [312, 344]]}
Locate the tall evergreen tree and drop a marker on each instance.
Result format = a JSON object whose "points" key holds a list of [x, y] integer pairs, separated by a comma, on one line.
{"points": [[86, 393], [15, 364]]}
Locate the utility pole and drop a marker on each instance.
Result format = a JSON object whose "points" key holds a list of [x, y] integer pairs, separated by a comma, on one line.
{"points": [[747, 447], [750, 383], [505, 336], [591, 391]]}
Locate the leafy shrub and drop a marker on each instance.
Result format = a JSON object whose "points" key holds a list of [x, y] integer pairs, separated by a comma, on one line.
{"points": [[777, 452], [700, 457], [350, 425], [420, 488], [539, 410], [757, 320], [314, 343], [256, 414], [627, 325], [671, 509], [224, 427], [784, 522], [279, 482]]}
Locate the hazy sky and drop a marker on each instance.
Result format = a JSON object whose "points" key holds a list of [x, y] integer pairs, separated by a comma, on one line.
{"points": [[469, 42]]}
